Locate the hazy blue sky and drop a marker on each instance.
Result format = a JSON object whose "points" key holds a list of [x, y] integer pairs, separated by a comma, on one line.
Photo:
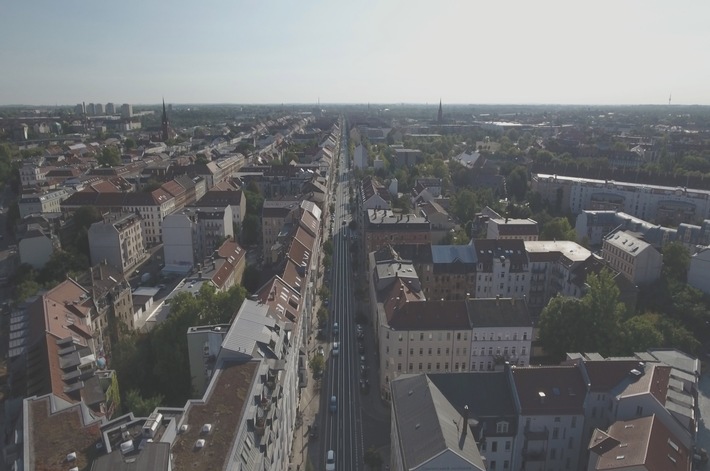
{"points": [[287, 51]]}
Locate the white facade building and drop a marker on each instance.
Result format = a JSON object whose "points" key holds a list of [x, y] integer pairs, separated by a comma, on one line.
{"points": [[699, 270], [634, 258], [118, 240]]}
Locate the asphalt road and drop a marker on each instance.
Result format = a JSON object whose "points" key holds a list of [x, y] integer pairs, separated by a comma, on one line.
{"points": [[343, 427]]}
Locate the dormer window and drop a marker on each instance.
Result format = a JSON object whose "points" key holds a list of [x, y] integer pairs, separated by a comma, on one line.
{"points": [[502, 427]]}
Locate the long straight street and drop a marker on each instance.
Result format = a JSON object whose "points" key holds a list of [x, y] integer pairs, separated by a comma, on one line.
{"points": [[343, 422]]}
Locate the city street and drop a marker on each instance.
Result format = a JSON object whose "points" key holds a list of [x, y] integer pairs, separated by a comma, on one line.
{"points": [[358, 420]]}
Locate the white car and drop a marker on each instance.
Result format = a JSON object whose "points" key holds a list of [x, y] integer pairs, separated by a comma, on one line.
{"points": [[336, 349], [330, 461]]}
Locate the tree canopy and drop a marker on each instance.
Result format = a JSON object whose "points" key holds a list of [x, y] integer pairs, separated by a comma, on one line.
{"points": [[109, 157], [156, 363]]}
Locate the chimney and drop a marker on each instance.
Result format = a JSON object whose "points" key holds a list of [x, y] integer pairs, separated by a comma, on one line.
{"points": [[464, 429]]}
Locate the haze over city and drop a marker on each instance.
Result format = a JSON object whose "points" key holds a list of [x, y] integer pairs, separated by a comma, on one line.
{"points": [[368, 51]]}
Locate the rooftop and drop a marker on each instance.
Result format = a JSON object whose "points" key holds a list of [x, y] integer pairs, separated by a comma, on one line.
{"points": [[222, 407], [55, 434]]}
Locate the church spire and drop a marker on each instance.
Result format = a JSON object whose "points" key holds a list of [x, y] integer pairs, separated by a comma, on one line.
{"points": [[165, 128], [440, 116]]}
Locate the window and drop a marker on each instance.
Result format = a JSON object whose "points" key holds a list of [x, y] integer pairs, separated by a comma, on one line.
{"points": [[420, 366], [493, 465], [553, 453], [574, 421], [639, 410], [438, 351], [410, 367], [438, 366], [506, 464], [456, 366], [399, 367], [555, 433], [494, 446], [446, 366], [428, 366], [429, 350], [448, 336], [507, 445], [502, 427], [411, 351], [421, 351], [421, 336], [458, 336]]}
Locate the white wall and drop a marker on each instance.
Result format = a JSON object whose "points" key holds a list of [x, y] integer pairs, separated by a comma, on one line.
{"points": [[178, 242], [699, 272]]}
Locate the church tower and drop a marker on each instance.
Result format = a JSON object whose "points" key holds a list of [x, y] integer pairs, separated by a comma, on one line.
{"points": [[165, 128], [440, 116]]}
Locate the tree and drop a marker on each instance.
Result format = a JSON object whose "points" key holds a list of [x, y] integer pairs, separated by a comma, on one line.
{"points": [[129, 143], [517, 183], [558, 229], [328, 247], [142, 407], [250, 230], [676, 261], [373, 459], [641, 333], [109, 157], [251, 280], [590, 324], [324, 293], [322, 316], [317, 365]]}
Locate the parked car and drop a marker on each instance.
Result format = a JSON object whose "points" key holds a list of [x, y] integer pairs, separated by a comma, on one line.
{"points": [[336, 349]]}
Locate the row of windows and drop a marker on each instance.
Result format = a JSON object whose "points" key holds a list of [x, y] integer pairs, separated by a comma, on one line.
{"points": [[513, 351], [499, 337], [430, 336]]}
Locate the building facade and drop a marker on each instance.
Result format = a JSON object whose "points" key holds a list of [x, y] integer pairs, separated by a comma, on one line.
{"points": [[118, 240]]}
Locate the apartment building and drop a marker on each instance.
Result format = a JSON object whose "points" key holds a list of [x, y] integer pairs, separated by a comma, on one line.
{"points": [[277, 216], [36, 245], [373, 195], [502, 332], [441, 223], [118, 240], [502, 268], [384, 228], [636, 259], [41, 203], [361, 158], [509, 228], [153, 207], [191, 235], [112, 296], [595, 225], [421, 414], [551, 406], [643, 443], [235, 199], [660, 204]]}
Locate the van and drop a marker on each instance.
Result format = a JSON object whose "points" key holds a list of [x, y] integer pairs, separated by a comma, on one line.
{"points": [[330, 461]]}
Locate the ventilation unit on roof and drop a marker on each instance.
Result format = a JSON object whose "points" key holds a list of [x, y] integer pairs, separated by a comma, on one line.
{"points": [[127, 447], [71, 456], [183, 428], [207, 428], [200, 443]]}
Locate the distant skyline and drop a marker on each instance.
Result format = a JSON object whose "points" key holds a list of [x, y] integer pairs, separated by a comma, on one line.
{"points": [[386, 51]]}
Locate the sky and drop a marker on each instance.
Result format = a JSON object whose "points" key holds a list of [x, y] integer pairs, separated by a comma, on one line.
{"points": [[364, 51]]}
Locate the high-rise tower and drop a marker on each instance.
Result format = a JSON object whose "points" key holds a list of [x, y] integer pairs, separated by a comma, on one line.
{"points": [[165, 128]]}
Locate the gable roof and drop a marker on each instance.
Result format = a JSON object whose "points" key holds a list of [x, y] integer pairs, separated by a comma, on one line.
{"points": [[428, 425]]}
